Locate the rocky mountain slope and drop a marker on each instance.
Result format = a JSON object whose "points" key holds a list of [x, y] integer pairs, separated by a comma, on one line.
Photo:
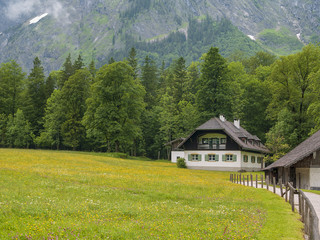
{"points": [[97, 28]]}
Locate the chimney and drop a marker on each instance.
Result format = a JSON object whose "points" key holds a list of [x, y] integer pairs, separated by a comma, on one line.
{"points": [[236, 123], [222, 118]]}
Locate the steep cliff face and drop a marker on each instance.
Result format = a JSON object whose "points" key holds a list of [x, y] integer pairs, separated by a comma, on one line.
{"points": [[95, 28]]}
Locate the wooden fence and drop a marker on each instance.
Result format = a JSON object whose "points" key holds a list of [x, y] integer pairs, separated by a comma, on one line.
{"points": [[287, 191]]}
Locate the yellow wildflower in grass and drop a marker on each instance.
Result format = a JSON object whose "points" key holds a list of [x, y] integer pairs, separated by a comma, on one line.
{"points": [[74, 195]]}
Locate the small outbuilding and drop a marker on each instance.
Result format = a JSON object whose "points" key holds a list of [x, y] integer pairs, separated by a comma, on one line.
{"points": [[301, 166]]}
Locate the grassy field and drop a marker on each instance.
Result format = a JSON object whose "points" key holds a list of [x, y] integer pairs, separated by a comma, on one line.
{"points": [[69, 195]]}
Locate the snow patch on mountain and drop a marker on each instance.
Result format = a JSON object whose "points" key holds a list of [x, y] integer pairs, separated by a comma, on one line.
{"points": [[38, 18], [299, 36], [252, 37]]}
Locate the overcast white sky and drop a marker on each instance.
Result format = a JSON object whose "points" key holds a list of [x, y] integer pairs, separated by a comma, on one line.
{"points": [[17, 8]]}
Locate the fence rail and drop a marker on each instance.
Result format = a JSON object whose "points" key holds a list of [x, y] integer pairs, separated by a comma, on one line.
{"points": [[287, 191]]}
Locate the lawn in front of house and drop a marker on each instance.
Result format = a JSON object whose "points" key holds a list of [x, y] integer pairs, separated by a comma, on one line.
{"points": [[71, 195]]}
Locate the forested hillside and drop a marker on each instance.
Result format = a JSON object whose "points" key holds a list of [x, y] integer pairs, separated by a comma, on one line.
{"points": [[135, 109]]}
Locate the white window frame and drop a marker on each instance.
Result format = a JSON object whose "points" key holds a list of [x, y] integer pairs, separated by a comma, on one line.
{"points": [[229, 157], [195, 157]]}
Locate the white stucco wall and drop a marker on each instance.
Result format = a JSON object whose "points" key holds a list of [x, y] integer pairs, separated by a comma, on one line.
{"points": [[314, 178], [175, 155], [249, 166], [220, 165], [303, 178]]}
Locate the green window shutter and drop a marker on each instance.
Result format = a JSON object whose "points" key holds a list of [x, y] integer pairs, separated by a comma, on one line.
{"points": [[199, 157], [206, 157], [189, 157], [217, 157], [223, 157], [234, 158]]}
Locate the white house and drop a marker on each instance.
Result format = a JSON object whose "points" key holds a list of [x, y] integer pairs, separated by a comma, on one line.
{"points": [[223, 146]]}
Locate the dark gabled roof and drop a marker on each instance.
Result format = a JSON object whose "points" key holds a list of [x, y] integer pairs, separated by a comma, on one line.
{"points": [[234, 132], [303, 150]]}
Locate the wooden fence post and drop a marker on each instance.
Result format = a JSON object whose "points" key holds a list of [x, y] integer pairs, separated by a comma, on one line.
{"points": [[274, 185], [251, 180], [261, 181], [267, 182], [302, 208], [248, 180], [256, 181], [291, 197], [299, 199], [281, 190], [307, 220], [244, 180], [237, 178], [286, 192]]}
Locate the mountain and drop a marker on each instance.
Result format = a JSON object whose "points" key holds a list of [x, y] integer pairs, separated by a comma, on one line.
{"points": [[102, 29]]}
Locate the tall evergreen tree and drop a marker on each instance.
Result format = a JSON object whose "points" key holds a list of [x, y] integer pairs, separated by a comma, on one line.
{"points": [[35, 97], [67, 71], [133, 62], [78, 64], [50, 86], [149, 79], [212, 97], [92, 68], [179, 80], [74, 94]]}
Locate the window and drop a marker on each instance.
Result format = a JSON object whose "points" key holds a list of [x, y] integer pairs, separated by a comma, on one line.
{"points": [[215, 140], [194, 157], [259, 159], [245, 158], [253, 159], [205, 141], [229, 158], [212, 157], [223, 140]]}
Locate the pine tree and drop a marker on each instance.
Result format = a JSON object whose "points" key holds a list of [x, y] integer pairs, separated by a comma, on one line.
{"points": [[67, 71], [149, 79], [180, 79], [212, 96], [74, 94], [133, 62], [49, 86], [78, 64], [92, 68], [35, 97]]}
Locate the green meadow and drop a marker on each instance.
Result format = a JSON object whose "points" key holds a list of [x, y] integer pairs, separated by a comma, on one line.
{"points": [[74, 195]]}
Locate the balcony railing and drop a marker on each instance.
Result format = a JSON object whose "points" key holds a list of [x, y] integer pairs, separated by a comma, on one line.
{"points": [[211, 147]]}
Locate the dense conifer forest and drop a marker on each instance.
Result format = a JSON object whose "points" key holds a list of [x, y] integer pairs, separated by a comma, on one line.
{"points": [[135, 108]]}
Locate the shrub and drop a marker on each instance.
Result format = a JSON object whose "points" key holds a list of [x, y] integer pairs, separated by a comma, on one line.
{"points": [[181, 163]]}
